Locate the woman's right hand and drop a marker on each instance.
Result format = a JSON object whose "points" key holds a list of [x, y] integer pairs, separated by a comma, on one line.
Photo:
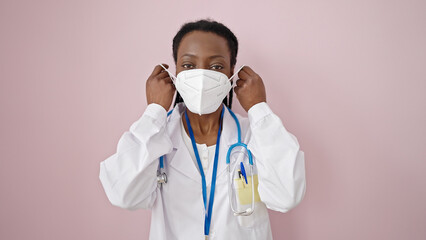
{"points": [[160, 88]]}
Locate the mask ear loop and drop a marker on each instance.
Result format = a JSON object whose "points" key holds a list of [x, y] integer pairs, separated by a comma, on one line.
{"points": [[170, 74], [233, 83]]}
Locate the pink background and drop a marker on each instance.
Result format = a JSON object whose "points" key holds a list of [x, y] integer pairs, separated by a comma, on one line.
{"points": [[347, 78]]}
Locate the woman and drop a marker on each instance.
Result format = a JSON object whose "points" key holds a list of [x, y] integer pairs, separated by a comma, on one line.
{"points": [[193, 141]]}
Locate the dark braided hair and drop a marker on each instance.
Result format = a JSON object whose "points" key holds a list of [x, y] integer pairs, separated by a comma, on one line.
{"points": [[208, 25]]}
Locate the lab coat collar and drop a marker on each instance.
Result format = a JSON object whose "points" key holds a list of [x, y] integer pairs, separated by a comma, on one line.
{"points": [[181, 158]]}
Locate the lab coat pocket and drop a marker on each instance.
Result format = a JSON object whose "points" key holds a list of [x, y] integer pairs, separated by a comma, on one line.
{"points": [[257, 219], [244, 196], [244, 190]]}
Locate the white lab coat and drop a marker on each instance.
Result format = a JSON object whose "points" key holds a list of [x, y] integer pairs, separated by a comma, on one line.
{"points": [[129, 177]]}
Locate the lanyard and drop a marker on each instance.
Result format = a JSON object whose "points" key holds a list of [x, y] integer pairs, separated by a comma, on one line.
{"points": [[208, 216]]}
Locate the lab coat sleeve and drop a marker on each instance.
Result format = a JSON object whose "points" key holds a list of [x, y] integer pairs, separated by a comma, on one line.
{"points": [[280, 162], [129, 176]]}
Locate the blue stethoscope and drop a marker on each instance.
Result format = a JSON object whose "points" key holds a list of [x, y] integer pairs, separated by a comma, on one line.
{"points": [[246, 153]]}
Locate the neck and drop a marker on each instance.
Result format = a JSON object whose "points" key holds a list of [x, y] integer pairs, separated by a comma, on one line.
{"points": [[205, 127]]}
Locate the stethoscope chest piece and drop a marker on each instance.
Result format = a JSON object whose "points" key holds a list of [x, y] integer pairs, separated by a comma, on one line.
{"points": [[161, 177]]}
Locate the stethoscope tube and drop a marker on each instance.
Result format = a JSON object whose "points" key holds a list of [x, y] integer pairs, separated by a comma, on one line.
{"points": [[161, 175], [250, 210]]}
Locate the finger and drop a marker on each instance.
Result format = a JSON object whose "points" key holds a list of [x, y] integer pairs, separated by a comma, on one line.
{"points": [[158, 69], [243, 75], [165, 65], [248, 70], [239, 83], [162, 75], [237, 90], [167, 79]]}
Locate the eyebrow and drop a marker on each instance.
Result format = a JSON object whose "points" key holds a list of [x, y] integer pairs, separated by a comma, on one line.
{"points": [[192, 55]]}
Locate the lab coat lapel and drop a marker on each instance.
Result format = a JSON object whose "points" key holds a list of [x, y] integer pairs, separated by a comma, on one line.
{"points": [[181, 160], [228, 137]]}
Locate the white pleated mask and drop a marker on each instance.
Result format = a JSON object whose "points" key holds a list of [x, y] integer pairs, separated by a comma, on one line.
{"points": [[202, 90]]}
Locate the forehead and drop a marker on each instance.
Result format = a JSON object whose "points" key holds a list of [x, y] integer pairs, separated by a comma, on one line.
{"points": [[203, 44]]}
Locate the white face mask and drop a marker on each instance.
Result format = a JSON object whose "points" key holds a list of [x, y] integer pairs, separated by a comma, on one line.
{"points": [[202, 90]]}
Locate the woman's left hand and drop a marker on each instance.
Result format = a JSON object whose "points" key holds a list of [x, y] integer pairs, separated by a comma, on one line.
{"points": [[250, 89]]}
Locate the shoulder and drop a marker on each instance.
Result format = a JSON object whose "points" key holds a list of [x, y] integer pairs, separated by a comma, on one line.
{"points": [[242, 121], [255, 115], [174, 119], [175, 113]]}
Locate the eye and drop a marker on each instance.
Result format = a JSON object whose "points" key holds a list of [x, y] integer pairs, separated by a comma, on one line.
{"points": [[216, 67], [187, 65]]}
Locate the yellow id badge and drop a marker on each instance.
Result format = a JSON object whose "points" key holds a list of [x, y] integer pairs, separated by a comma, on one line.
{"points": [[244, 190]]}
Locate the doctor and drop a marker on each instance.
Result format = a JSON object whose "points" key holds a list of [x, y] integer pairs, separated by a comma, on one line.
{"points": [[194, 140]]}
